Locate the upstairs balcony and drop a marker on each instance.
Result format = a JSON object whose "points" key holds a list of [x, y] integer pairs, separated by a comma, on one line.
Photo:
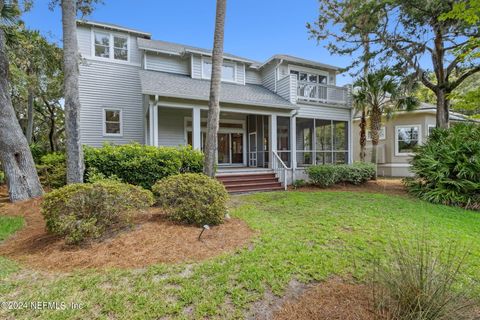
{"points": [[307, 92]]}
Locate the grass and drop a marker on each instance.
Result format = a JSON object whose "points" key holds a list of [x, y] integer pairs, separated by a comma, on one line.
{"points": [[9, 225], [303, 235]]}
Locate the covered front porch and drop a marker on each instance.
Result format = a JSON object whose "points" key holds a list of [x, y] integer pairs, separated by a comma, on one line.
{"points": [[251, 138]]}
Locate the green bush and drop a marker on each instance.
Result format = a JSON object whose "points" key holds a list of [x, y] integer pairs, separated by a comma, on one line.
{"points": [[141, 165], [52, 170], [447, 167], [192, 198], [81, 212], [299, 183], [330, 174], [2, 177]]}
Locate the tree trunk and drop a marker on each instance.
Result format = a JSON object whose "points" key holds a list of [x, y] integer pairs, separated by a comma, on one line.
{"points": [[363, 134], [15, 155], [363, 119], [443, 104], [214, 102], [75, 165], [29, 130], [375, 126]]}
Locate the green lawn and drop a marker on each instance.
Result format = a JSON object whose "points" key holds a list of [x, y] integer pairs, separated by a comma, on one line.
{"points": [[9, 225], [307, 236]]}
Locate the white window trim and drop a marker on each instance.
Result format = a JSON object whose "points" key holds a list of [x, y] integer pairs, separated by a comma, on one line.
{"points": [[310, 70], [382, 129], [225, 62], [111, 46], [428, 129], [406, 154], [104, 124]]}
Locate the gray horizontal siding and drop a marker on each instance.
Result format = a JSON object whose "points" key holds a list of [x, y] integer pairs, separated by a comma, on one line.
{"points": [[196, 68], [253, 77], [84, 39], [103, 85], [323, 112], [240, 76], [268, 77], [168, 64], [171, 126]]}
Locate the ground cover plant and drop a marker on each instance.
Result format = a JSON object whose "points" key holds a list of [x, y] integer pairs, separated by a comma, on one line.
{"points": [[447, 167], [307, 236]]}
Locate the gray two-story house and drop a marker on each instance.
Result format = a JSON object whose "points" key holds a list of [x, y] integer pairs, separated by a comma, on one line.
{"points": [[282, 114]]}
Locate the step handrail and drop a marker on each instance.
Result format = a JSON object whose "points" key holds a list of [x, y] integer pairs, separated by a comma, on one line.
{"points": [[283, 165]]}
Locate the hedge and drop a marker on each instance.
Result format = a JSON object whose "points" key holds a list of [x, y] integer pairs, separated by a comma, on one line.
{"points": [[330, 174], [141, 165]]}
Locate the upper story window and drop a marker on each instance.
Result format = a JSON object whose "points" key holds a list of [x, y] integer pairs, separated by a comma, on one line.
{"points": [[310, 77], [228, 70], [108, 45]]}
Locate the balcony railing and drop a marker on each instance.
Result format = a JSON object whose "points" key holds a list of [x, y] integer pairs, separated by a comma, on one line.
{"points": [[323, 93]]}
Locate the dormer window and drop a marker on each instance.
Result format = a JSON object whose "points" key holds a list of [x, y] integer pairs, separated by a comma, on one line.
{"points": [[108, 45], [228, 70]]}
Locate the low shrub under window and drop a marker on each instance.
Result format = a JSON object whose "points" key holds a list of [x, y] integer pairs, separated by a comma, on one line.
{"points": [[330, 174]]}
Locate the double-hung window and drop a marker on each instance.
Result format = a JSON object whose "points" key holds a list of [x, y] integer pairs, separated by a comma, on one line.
{"points": [[111, 46], [112, 122], [406, 139], [228, 70]]}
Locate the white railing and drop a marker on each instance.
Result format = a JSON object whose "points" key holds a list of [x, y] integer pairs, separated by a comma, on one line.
{"points": [[280, 168], [317, 92]]}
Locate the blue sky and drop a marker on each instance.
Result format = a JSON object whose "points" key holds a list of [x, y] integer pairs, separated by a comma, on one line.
{"points": [[255, 29]]}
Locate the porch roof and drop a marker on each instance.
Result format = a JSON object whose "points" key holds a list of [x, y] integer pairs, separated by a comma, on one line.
{"points": [[184, 87]]}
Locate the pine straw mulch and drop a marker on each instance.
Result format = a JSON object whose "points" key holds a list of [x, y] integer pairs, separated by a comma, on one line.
{"points": [[335, 299], [391, 186], [153, 239]]}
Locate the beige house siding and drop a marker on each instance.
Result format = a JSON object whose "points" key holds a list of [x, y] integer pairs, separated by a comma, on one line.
{"points": [[389, 163]]}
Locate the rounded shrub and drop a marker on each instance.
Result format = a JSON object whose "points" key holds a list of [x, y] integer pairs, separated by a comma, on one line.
{"points": [[80, 212], [192, 198], [447, 167], [140, 165]]}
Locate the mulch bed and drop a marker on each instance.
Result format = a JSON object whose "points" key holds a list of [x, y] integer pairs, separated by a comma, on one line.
{"points": [[153, 239], [335, 299], [381, 185]]}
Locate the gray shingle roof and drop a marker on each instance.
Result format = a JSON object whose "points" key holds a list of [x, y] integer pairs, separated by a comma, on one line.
{"points": [[176, 48], [180, 86], [306, 62], [113, 26]]}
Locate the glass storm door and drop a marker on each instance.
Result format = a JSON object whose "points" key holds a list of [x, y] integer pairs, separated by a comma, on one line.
{"points": [[224, 148], [237, 147]]}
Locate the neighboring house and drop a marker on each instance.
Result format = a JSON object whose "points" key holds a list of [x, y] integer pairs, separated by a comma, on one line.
{"points": [[398, 136], [135, 89]]}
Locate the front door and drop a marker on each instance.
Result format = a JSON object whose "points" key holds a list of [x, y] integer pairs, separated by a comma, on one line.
{"points": [[230, 148]]}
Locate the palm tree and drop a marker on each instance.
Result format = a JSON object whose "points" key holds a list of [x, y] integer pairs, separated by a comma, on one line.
{"points": [[75, 164], [214, 102], [15, 155], [381, 95]]}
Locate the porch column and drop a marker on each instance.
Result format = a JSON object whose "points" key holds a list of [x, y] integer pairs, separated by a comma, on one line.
{"points": [[293, 140], [273, 137], [153, 117], [196, 128]]}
